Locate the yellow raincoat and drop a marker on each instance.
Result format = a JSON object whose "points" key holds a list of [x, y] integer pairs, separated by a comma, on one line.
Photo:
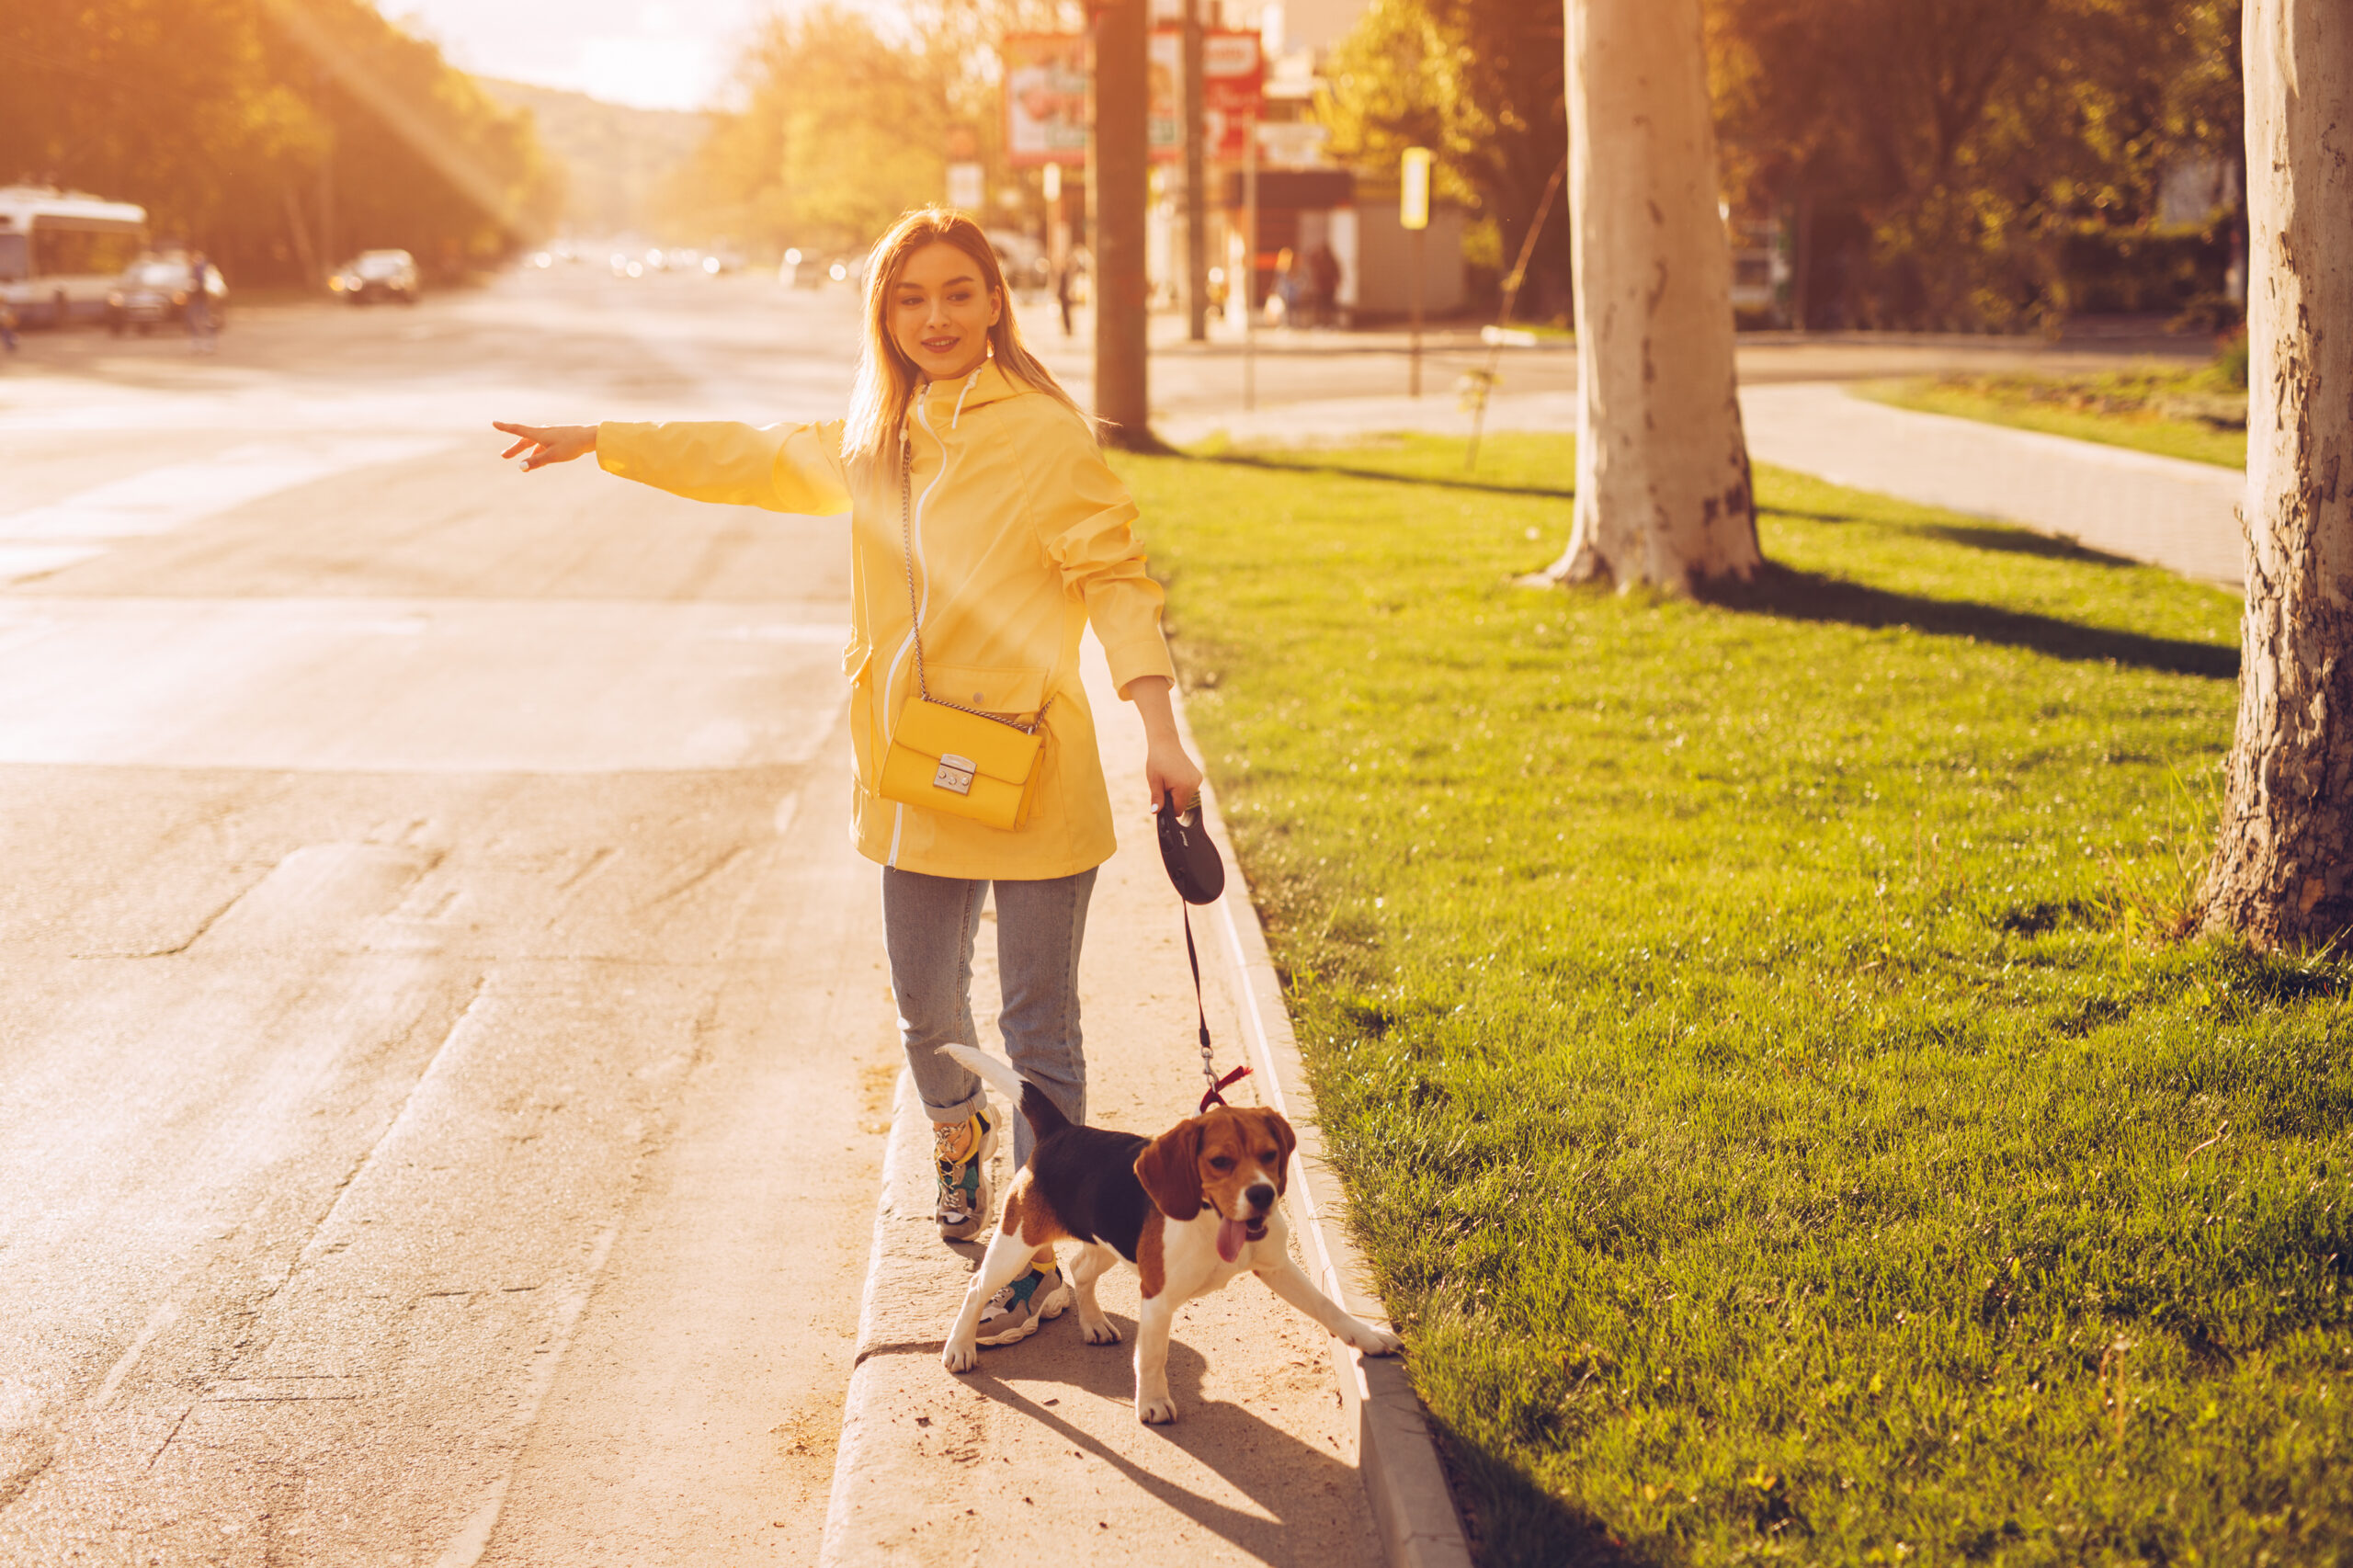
{"points": [[1022, 535]]}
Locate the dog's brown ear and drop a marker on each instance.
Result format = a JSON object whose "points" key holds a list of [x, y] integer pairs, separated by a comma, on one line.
{"points": [[1170, 1169], [1285, 1142]]}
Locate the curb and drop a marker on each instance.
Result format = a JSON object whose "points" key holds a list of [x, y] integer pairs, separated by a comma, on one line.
{"points": [[900, 1272], [1413, 1509]]}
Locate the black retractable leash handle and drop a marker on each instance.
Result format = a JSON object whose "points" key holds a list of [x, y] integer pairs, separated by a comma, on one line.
{"points": [[1198, 875]]}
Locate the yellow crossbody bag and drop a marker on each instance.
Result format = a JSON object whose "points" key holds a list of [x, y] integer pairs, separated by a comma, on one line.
{"points": [[947, 757]]}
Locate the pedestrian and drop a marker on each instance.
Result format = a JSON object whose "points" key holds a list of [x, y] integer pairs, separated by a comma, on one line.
{"points": [[8, 327], [1063, 281], [200, 325], [987, 533], [1283, 308], [1323, 276]]}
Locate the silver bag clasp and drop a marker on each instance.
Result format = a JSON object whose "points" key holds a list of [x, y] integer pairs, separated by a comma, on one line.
{"points": [[955, 774]]}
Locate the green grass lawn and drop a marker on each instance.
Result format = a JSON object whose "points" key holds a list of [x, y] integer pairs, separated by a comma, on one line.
{"points": [[2173, 413], [1769, 1092]]}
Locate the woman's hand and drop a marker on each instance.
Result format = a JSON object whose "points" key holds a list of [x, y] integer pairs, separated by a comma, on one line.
{"points": [[1171, 773], [547, 443], [1167, 768]]}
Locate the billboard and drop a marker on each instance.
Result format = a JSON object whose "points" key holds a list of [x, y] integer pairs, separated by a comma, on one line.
{"points": [[1234, 81], [1045, 99]]}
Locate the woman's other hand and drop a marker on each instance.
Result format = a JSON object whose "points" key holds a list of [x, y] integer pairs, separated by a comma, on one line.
{"points": [[547, 443], [1167, 768]]}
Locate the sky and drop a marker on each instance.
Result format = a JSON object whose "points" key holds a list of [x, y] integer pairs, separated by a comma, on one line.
{"points": [[655, 54], [648, 53]]}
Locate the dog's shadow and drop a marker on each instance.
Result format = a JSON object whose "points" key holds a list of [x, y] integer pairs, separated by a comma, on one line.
{"points": [[1290, 1481], [1299, 1490]]}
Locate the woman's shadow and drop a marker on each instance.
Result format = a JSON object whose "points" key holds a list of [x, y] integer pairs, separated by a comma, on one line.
{"points": [[1306, 1501], [1289, 1482]]}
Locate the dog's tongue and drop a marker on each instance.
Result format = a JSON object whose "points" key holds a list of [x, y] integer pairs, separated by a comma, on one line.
{"points": [[1230, 1236]]}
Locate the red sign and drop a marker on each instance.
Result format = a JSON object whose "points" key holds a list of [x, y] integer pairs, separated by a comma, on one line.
{"points": [[1233, 86]]}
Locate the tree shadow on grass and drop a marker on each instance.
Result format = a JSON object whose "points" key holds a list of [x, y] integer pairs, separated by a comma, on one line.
{"points": [[2019, 541], [1441, 482], [2002, 537], [1806, 595], [1515, 1522]]}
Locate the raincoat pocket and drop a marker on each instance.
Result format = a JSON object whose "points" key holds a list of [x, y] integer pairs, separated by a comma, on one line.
{"points": [[1012, 694]]}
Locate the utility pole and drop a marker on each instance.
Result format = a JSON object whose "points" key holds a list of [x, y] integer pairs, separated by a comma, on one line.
{"points": [[326, 174], [1118, 165], [1248, 281], [1196, 240]]}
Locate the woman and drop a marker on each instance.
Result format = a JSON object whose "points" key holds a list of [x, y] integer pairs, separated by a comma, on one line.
{"points": [[977, 497]]}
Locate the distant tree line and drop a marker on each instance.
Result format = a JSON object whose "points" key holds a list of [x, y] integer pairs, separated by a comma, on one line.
{"points": [[280, 140], [1952, 163], [617, 159], [848, 117]]}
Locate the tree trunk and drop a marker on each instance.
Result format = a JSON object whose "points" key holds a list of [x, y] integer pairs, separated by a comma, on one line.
{"points": [[1662, 487], [2283, 867], [1119, 167]]}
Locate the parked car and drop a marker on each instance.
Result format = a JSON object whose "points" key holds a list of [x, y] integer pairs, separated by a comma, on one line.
{"points": [[377, 274], [155, 290], [1022, 260]]}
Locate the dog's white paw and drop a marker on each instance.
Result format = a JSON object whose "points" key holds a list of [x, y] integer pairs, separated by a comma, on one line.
{"points": [[1373, 1341], [962, 1356], [1155, 1411], [1099, 1330]]}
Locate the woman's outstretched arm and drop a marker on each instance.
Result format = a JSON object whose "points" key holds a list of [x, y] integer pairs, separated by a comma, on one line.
{"points": [[785, 468], [547, 443]]}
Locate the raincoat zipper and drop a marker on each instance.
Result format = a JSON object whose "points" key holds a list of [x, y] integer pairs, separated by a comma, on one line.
{"points": [[891, 674]]}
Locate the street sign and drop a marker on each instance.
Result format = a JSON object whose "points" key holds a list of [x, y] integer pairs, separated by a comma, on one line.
{"points": [[965, 187], [1414, 188], [1293, 143], [1045, 99], [1413, 216], [1233, 83]]}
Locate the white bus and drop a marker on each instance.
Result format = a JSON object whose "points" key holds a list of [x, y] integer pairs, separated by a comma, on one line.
{"points": [[62, 250]]}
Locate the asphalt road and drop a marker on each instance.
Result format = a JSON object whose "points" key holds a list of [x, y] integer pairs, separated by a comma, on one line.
{"points": [[429, 908]]}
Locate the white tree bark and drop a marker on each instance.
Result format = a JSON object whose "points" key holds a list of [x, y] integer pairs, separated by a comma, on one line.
{"points": [[2282, 874], [1662, 486]]}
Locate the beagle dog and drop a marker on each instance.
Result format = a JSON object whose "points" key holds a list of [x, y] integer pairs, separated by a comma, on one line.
{"points": [[1190, 1209]]}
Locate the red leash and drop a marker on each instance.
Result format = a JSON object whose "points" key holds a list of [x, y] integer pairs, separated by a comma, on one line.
{"points": [[1208, 1058]]}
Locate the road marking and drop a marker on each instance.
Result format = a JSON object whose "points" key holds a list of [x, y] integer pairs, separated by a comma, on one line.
{"points": [[177, 495], [465, 1549], [161, 1318], [414, 686], [18, 562], [467, 1546]]}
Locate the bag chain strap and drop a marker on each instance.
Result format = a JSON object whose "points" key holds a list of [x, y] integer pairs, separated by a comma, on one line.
{"points": [[915, 616]]}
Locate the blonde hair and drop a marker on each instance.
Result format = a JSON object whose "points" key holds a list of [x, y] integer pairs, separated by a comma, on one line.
{"points": [[886, 376]]}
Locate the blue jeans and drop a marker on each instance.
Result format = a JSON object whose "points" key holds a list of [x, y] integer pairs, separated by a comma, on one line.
{"points": [[928, 924]]}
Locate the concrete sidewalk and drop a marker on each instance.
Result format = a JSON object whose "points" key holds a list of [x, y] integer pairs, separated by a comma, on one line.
{"points": [[2165, 511], [1038, 1454], [2182, 515]]}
